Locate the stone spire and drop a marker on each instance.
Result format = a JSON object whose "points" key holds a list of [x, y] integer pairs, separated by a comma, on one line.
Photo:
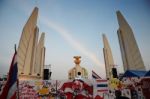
{"points": [[130, 52]]}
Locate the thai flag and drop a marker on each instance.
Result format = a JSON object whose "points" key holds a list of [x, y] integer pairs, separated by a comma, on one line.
{"points": [[10, 89], [95, 76], [102, 85]]}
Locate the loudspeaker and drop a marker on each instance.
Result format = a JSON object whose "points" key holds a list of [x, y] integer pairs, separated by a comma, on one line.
{"points": [[114, 72], [46, 74]]}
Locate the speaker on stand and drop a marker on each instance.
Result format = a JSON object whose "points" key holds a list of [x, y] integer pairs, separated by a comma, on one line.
{"points": [[114, 73], [46, 74]]}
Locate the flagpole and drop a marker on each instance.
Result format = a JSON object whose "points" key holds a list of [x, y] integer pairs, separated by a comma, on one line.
{"points": [[15, 48], [56, 90], [17, 75]]}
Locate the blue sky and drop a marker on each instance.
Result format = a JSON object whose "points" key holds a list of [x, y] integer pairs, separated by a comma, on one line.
{"points": [[74, 27]]}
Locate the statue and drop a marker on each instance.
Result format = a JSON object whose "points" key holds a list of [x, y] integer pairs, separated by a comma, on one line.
{"points": [[77, 72], [77, 60]]}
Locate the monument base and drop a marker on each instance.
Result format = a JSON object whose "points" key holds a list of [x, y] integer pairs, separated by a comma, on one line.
{"points": [[29, 77]]}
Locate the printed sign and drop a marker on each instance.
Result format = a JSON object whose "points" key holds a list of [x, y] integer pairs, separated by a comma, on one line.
{"points": [[68, 89]]}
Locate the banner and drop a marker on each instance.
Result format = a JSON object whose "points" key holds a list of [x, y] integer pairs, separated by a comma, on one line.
{"points": [[50, 89], [36, 89]]}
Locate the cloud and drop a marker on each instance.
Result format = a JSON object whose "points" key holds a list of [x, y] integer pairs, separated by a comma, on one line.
{"points": [[73, 42]]}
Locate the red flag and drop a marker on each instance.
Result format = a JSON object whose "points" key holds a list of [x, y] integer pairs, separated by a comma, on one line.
{"points": [[80, 96], [10, 88], [98, 97]]}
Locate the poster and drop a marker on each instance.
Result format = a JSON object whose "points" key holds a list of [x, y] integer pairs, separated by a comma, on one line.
{"points": [[49, 89]]}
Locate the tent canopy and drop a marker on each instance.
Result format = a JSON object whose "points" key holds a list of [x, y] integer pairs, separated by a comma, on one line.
{"points": [[134, 73], [148, 73]]}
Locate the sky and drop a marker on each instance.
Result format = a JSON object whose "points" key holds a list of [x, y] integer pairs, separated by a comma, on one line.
{"points": [[74, 27]]}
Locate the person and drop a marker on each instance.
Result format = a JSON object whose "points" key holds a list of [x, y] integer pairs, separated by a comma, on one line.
{"points": [[134, 94], [118, 95]]}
